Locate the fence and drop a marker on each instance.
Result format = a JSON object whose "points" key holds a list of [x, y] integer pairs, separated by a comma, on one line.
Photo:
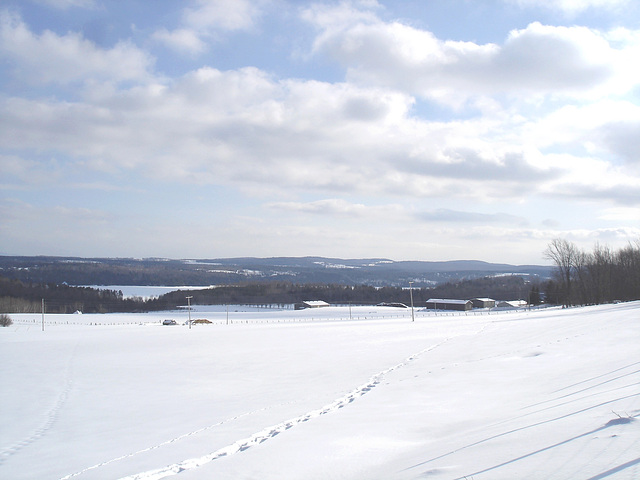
{"points": [[254, 318]]}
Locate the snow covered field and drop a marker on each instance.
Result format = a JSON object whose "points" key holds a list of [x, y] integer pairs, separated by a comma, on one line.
{"points": [[319, 394]]}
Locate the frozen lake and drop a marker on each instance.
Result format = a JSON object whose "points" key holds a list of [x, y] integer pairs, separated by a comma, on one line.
{"points": [[144, 291]]}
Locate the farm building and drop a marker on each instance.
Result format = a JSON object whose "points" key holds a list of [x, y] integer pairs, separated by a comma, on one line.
{"points": [[392, 304], [310, 304], [512, 304], [449, 304], [483, 302]]}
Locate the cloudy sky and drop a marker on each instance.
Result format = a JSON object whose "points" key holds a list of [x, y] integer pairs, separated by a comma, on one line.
{"points": [[405, 129]]}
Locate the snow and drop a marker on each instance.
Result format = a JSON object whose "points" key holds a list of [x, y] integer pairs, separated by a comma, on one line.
{"points": [[360, 393], [145, 291]]}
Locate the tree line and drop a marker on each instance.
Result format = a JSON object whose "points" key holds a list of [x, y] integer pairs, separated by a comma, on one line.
{"points": [[590, 278], [512, 287], [286, 293], [25, 297], [580, 278], [111, 272]]}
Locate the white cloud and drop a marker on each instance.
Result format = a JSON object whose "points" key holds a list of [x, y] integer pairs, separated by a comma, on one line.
{"points": [[605, 128], [18, 171], [23, 223], [621, 214], [221, 14], [339, 16], [181, 39], [246, 129], [546, 58], [49, 57], [586, 238], [40, 218], [426, 145], [336, 207], [333, 206], [446, 215], [538, 59], [205, 19], [572, 6], [262, 134], [287, 139]]}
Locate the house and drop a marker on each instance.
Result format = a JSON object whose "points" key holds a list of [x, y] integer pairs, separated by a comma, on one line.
{"points": [[449, 304], [310, 304], [512, 304], [483, 302]]}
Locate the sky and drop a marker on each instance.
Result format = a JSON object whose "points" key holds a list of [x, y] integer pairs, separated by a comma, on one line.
{"points": [[408, 130]]}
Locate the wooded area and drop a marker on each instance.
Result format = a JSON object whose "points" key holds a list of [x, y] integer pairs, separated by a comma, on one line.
{"points": [[242, 271], [22, 297], [499, 288], [580, 278], [588, 278]]}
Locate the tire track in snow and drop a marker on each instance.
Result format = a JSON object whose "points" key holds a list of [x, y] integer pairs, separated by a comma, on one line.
{"points": [[270, 432]]}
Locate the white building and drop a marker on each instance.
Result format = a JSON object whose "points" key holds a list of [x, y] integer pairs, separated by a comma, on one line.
{"points": [[311, 304], [512, 304]]}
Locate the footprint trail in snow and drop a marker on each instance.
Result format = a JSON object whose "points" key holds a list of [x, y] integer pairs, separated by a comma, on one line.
{"points": [[270, 432]]}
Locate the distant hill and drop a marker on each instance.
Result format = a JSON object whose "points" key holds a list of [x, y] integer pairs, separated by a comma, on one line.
{"points": [[234, 271]]}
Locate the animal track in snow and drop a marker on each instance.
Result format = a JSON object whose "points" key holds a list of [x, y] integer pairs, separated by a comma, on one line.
{"points": [[50, 418], [168, 442], [272, 431]]}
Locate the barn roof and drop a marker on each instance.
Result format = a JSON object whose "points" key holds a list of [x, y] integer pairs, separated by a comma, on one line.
{"points": [[316, 303], [449, 301]]}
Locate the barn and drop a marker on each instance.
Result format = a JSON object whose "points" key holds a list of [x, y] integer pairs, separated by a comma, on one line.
{"points": [[483, 302], [310, 304], [449, 304], [512, 304]]}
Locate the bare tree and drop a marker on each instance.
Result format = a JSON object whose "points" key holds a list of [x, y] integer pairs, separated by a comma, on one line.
{"points": [[627, 278], [564, 255], [601, 273], [583, 293], [594, 278]]}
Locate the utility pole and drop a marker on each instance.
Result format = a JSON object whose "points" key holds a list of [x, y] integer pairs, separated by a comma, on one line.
{"points": [[413, 318], [43, 314], [189, 307]]}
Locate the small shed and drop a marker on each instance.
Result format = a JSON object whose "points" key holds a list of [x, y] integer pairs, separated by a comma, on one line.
{"points": [[310, 304], [449, 304], [483, 302]]}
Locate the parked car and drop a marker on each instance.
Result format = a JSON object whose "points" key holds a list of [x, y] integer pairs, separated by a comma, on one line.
{"points": [[169, 321]]}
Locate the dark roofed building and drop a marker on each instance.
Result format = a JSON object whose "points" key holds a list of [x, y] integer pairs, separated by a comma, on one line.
{"points": [[449, 304]]}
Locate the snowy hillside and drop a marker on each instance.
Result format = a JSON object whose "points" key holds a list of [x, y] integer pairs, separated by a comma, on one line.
{"points": [[327, 393]]}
